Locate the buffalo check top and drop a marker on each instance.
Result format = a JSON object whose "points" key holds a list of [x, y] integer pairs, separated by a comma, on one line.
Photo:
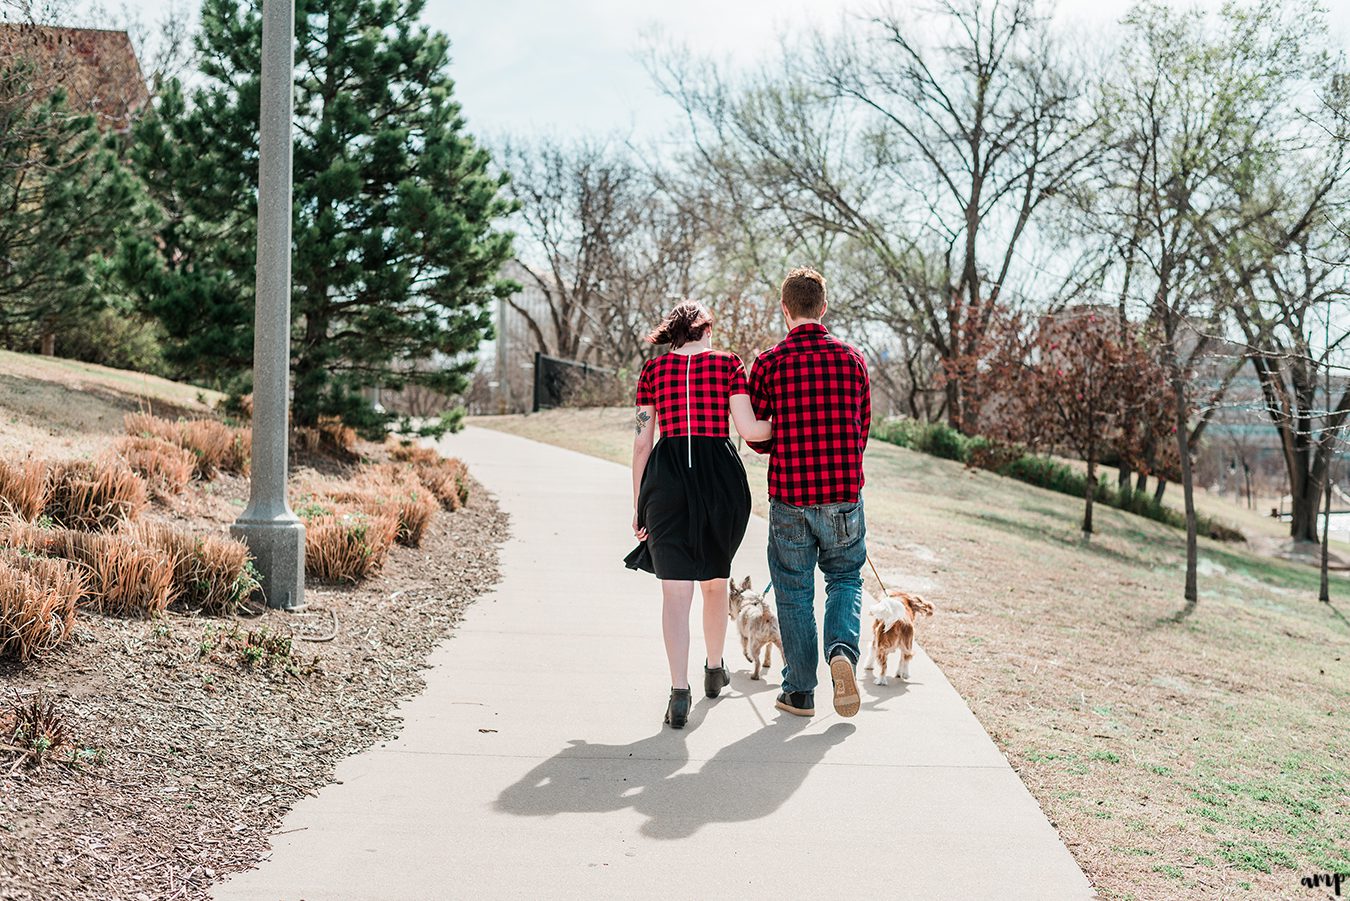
{"points": [[692, 392], [815, 389]]}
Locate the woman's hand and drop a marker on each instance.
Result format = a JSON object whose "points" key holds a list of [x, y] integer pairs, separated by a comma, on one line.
{"points": [[639, 533]]}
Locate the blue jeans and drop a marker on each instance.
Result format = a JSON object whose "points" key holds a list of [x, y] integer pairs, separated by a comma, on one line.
{"points": [[832, 535]]}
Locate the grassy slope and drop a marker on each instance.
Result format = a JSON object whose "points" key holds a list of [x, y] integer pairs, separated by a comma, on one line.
{"points": [[55, 406], [1177, 759]]}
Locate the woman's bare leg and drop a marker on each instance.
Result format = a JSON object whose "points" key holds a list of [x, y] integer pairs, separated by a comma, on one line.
{"points": [[715, 607], [676, 598]]}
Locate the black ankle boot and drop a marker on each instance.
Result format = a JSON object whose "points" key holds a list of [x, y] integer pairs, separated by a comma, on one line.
{"points": [[715, 679], [677, 711]]}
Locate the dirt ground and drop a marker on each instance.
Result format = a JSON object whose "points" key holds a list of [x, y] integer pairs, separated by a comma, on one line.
{"points": [[186, 763], [1204, 756]]}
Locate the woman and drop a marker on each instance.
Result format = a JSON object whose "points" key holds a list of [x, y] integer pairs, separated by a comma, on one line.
{"points": [[691, 501]]}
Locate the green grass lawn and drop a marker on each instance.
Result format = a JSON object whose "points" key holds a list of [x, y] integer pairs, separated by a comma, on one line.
{"points": [[1207, 756]]}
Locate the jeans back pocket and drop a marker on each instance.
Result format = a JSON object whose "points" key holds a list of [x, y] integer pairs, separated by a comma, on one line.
{"points": [[787, 523], [845, 523]]}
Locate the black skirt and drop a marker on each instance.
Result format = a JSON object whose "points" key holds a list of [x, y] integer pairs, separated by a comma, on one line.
{"points": [[694, 502]]}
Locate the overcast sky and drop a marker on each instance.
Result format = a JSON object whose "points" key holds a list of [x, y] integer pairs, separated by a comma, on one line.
{"points": [[564, 66]]}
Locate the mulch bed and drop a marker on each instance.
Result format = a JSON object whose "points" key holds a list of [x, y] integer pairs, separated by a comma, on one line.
{"points": [[188, 762]]}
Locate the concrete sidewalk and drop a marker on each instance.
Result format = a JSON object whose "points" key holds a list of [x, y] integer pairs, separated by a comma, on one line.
{"points": [[535, 765]]}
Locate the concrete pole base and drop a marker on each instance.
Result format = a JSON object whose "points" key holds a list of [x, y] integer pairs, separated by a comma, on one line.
{"points": [[278, 545]]}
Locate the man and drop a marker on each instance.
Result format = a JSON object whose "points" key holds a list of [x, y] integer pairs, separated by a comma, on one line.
{"points": [[815, 389]]}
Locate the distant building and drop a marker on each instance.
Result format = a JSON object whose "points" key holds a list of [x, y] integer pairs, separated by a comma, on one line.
{"points": [[97, 68]]}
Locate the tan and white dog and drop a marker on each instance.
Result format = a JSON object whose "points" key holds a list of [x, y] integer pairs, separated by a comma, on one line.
{"points": [[757, 623], [892, 630]]}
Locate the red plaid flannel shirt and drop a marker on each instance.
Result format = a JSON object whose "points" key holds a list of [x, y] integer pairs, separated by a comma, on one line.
{"points": [[815, 389], [712, 376]]}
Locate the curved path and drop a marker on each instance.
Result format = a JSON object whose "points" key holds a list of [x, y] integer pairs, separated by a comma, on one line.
{"points": [[534, 765]]}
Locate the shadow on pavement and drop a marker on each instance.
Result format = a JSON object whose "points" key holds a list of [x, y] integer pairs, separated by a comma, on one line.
{"points": [[744, 781]]}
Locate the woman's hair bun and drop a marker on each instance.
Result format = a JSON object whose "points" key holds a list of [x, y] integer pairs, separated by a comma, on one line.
{"points": [[689, 321]]}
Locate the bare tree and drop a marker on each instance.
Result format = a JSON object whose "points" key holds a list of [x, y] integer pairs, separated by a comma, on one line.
{"points": [[932, 156], [602, 246], [1193, 106]]}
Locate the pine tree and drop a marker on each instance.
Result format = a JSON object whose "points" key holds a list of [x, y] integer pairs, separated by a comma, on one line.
{"points": [[396, 244], [65, 204]]}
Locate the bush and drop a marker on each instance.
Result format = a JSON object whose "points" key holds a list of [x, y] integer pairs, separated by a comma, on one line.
{"points": [[94, 495], [213, 574], [941, 440], [24, 488], [994, 456], [165, 466], [119, 338], [946, 442], [37, 603]]}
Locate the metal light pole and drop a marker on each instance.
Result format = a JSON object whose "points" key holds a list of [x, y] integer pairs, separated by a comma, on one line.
{"points": [[272, 532]]}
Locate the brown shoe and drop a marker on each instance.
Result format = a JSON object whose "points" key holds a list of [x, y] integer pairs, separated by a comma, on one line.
{"points": [[846, 698], [797, 703]]}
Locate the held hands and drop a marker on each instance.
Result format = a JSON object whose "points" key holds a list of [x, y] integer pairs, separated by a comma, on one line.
{"points": [[639, 533]]}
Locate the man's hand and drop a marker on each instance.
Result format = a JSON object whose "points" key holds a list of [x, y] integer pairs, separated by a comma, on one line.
{"points": [[638, 533]]}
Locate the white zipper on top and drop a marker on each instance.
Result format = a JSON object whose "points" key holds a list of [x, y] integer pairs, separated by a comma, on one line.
{"points": [[688, 412]]}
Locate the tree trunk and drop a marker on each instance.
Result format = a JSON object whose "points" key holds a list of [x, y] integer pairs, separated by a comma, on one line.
{"points": [[1192, 593], [1305, 499], [953, 392], [48, 348], [1123, 480], [1159, 489], [1141, 484], [1324, 589], [1091, 495]]}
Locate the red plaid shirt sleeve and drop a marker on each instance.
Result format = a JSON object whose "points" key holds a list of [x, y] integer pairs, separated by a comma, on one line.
{"points": [[761, 399], [737, 382], [646, 391], [815, 388]]}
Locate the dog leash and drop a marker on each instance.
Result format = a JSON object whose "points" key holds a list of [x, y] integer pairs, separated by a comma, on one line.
{"points": [[877, 574]]}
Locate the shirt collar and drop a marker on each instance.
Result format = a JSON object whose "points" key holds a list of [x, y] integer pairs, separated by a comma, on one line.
{"points": [[808, 328]]}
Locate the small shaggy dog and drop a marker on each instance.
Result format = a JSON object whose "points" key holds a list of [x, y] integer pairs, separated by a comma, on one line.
{"points": [[757, 623], [894, 629]]}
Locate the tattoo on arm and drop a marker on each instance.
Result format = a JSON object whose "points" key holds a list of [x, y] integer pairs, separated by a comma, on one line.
{"points": [[643, 417]]}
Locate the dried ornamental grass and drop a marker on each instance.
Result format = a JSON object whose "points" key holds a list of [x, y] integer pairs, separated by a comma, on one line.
{"points": [[121, 576], [337, 435], [413, 453], [211, 573], [214, 445], [143, 425], [347, 546], [446, 478], [396, 487], [95, 495], [37, 603], [329, 436], [24, 488], [166, 466], [377, 490]]}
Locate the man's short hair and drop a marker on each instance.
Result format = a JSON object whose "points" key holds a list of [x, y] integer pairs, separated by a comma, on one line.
{"points": [[803, 293]]}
